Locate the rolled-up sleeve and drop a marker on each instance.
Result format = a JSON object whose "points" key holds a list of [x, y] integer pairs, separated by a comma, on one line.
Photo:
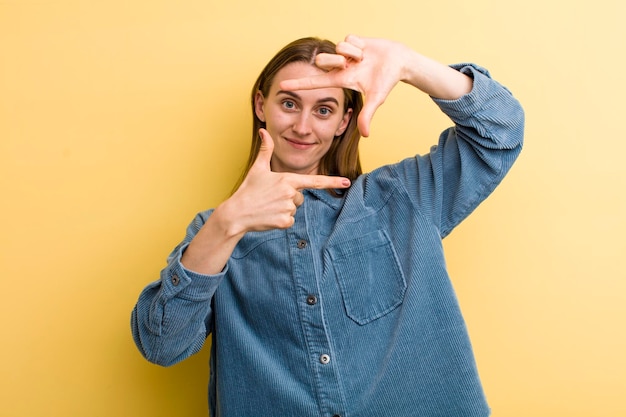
{"points": [[472, 157], [173, 315]]}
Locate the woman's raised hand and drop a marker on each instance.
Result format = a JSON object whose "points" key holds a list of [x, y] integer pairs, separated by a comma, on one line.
{"points": [[268, 200], [265, 200], [374, 66], [370, 66]]}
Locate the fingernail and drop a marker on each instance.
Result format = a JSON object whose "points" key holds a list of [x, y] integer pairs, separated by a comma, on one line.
{"points": [[345, 182]]}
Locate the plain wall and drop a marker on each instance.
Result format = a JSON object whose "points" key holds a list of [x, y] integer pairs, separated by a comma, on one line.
{"points": [[120, 120]]}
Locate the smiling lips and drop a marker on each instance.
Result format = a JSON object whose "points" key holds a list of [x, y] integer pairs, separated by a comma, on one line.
{"points": [[299, 145]]}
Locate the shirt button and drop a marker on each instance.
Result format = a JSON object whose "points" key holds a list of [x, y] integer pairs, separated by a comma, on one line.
{"points": [[175, 280], [311, 300], [301, 244], [324, 359]]}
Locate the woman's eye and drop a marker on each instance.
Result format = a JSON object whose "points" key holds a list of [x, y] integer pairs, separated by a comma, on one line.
{"points": [[289, 104], [324, 111]]}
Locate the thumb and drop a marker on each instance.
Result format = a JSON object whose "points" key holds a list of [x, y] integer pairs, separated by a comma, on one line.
{"points": [[367, 113], [266, 150], [363, 122], [365, 117]]}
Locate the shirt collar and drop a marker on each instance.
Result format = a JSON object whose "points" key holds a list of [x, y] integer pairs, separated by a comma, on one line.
{"points": [[324, 196]]}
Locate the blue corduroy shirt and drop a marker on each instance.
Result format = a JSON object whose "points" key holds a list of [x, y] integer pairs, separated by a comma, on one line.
{"points": [[351, 311]]}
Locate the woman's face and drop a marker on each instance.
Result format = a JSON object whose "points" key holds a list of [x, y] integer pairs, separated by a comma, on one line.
{"points": [[304, 123]]}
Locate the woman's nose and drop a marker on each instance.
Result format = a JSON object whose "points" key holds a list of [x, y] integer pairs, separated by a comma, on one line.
{"points": [[302, 124]]}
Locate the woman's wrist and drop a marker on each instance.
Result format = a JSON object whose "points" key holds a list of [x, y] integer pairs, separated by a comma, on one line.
{"points": [[434, 78]]}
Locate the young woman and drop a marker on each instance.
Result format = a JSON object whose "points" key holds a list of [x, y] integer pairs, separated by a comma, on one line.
{"points": [[325, 289]]}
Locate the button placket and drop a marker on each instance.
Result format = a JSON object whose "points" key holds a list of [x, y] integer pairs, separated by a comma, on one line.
{"points": [[305, 272]]}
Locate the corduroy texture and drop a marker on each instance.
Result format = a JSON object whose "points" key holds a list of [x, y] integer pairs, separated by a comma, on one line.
{"points": [[384, 335]]}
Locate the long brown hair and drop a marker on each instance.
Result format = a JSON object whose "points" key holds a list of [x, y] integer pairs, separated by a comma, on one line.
{"points": [[342, 158]]}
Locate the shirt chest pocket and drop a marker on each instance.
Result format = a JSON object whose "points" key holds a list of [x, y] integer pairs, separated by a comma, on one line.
{"points": [[369, 275]]}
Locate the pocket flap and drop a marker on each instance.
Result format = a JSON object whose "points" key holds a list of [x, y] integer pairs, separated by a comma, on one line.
{"points": [[369, 275]]}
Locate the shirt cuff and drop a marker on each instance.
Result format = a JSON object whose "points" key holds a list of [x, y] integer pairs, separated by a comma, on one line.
{"points": [[178, 281], [484, 89]]}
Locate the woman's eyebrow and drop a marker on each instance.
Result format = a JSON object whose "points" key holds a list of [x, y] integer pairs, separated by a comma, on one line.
{"points": [[297, 97]]}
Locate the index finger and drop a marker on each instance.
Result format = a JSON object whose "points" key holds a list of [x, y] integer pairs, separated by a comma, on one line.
{"points": [[319, 182], [310, 83]]}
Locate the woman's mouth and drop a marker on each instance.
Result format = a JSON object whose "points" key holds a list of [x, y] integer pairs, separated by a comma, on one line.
{"points": [[299, 144]]}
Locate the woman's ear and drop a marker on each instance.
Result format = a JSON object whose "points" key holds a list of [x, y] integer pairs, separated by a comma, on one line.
{"points": [[259, 101], [345, 121]]}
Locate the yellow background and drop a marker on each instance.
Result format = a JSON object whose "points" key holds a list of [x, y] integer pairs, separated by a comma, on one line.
{"points": [[119, 120]]}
